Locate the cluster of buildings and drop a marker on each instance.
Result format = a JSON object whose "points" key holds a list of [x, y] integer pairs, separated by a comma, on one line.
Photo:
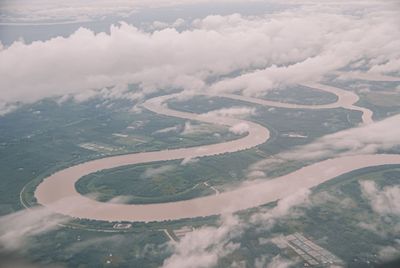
{"points": [[312, 254]]}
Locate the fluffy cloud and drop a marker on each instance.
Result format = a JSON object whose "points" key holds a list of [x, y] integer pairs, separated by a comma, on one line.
{"points": [[189, 160], [231, 112], [57, 12], [22, 12], [152, 172], [383, 202], [276, 262], [121, 199], [285, 206], [17, 228], [239, 129], [190, 128], [390, 253], [287, 47], [168, 129], [367, 139], [203, 247], [159, 25]]}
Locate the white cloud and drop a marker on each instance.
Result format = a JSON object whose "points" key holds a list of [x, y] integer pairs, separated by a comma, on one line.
{"points": [[256, 174], [203, 247], [121, 199], [152, 172], [189, 128], [259, 81], [265, 48], [178, 23], [231, 112], [390, 253], [56, 11], [276, 262], [160, 25], [189, 160], [279, 262], [385, 201], [168, 129], [367, 139], [28, 12], [239, 128], [18, 228], [285, 206]]}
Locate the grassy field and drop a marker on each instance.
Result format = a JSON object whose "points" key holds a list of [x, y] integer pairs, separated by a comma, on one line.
{"points": [[44, 137], [380, 97], [300, 95], [177, 182]]}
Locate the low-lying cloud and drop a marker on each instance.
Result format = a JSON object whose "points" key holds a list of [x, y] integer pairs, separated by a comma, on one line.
{"points": [[25, 12], [239, 129], [367, 139], [18, 228], [152, 172], [231, 112], [168, 130], [276, 262], [268, 217], [384, 201], [205, 246], [291, 46]]}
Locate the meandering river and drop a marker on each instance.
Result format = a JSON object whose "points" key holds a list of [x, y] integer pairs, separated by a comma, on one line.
{"points": [[58, 191]]}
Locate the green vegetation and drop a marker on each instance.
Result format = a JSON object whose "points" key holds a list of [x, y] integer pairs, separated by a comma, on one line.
{"points": [[186, 182], [309, 123], [333, 219], [174, 182], [44, 137], [378, 96], [300, 95], [342, 220], [78, 248], [131, 182]]}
